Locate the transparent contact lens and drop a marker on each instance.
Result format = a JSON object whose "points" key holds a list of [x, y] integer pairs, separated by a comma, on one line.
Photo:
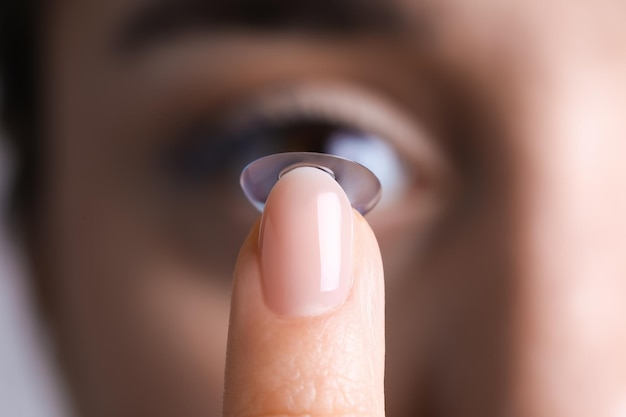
{"points": [[359, 183]]}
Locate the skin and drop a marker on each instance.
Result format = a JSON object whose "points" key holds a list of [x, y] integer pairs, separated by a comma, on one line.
{"points": [[504, 273], [281, 365]]}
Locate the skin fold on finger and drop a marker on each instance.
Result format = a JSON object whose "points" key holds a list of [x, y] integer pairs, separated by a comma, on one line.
{"points": [[327, 365]]}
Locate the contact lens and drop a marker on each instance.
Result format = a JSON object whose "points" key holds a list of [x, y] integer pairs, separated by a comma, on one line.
{"points": [[359, 183]]}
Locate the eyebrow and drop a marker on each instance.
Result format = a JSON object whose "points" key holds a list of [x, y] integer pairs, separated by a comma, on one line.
{"points": [[164, 19]]}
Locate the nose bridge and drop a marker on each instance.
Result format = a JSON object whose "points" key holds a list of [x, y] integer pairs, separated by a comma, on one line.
{"points": [[569, 350]]}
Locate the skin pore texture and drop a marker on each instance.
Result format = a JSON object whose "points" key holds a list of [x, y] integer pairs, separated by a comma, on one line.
{"points": [[503, 272]]}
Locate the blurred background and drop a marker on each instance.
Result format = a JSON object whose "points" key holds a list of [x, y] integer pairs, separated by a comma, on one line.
{"points": [[29, 384]]}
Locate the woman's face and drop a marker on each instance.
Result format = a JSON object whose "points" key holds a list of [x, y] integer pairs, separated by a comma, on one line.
{"points": [[496, 129]]}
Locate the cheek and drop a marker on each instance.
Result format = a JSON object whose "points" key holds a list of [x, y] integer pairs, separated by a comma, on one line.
{"points": [[449, 307], [144, 329], [183, 335]]}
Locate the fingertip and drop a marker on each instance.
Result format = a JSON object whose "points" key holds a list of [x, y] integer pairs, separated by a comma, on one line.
{"points": [[327, 363]]}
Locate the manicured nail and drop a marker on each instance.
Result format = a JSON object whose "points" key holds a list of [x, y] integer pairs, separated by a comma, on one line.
{"points": [[306, 244]]}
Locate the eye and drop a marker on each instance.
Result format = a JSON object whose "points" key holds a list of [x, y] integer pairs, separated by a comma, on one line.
{"points": [[197, 195], [208, 156], [333, 120]]}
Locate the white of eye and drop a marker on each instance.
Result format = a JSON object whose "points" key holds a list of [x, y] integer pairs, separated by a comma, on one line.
{"points": [[375, 154]]}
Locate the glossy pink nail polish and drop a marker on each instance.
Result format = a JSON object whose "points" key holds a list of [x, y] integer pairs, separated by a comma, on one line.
{"points": [[306, 244]]}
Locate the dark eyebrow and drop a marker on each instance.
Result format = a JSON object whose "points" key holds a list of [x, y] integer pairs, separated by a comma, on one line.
{"points": [[164, 19]]}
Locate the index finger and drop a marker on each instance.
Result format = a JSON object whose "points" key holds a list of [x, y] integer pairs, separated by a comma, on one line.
{"points": [[297, 346]]}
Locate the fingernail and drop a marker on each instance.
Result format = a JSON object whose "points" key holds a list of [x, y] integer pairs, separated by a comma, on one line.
{"points": [[306, 244]]}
